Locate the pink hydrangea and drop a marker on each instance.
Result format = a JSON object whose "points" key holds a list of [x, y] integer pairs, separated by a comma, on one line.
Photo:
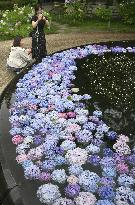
{"points": [[62, 115], [17, 139], [85, 198], [21, 158], [73, 128], [123, 138], [72, 179], [122, 168], [71, 114]]}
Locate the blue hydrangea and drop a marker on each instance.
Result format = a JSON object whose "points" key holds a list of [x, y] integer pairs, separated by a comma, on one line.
{"points": [[106, 192], [104, 202], [125, 180], [75, 169], [89, 181], [59, 175]]}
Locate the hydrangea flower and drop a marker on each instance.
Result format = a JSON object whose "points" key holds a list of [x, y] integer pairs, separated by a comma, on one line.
{"points": [[48, 193], [122, 168], [125, 180], [86, 198], [112, 135], [32, 172], [97, 113], [63, 201], [125, 194], [44, 176], [72, 179], [17, 139], [94, 160], [72, 190], [48, 165], [107, 181], [75, 169], [92, 149], [104, 202], [107, 152], [76, 156], [109, 172], [59, 175], [89, 181], [68, 145], [106, 192]]}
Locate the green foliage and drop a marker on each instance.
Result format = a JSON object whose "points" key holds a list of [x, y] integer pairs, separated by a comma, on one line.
{"points": [[74, 11], [103, 13], [6, 5], [25, 2], [17, 21], [127, 11]]}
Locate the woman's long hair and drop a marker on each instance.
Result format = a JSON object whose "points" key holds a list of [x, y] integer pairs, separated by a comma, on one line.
{"points": [[37, 7], [17, 40]]}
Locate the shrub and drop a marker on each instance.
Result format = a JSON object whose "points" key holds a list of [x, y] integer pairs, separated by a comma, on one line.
{"points": [[103, 13], [25, 2], [127, 11], [17, 21], [74, 11], [6, 5]]}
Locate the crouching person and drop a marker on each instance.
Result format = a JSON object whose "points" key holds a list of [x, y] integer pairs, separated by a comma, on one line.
{"points": [[19, 57]]}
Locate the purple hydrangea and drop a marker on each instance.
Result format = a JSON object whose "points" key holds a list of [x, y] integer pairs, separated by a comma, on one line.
{"points": [[72, 190]]}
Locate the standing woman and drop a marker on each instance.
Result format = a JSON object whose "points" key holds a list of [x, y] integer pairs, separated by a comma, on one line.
{"points": [[38, 35]]}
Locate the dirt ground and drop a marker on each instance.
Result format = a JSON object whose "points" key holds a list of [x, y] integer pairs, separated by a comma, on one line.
{"points": [[57, 42]]}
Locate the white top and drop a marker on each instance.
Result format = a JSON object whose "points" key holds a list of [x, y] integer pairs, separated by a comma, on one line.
{"points": [[18, 57]]}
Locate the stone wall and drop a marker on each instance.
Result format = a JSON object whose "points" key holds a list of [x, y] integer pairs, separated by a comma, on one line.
{"points": [[92, 4]]}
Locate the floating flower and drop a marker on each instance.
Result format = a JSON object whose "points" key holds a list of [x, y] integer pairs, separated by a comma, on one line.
{"points": [[76, 156], [86, 198], [94, 160], [72, 179], [59, 175], [44, 176], [104, 202], [89, 181], [75, 169], [75, 90], [63, 201], [112, 135], [68, 145], [122, 168], [125, 194], [106, 192], [48, 193], [125, 180], [32, 172], [92, 149], [72, 190], [17, 139], [97, 113]]}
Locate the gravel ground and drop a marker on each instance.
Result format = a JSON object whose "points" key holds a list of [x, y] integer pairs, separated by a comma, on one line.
{"points": [[56, 42]]}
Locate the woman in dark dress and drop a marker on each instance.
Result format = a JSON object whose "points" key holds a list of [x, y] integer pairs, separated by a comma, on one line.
{"points": [[38, 36]]}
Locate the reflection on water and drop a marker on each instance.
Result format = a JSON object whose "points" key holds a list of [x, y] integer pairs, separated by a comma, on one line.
{"points": [[110, 79]]}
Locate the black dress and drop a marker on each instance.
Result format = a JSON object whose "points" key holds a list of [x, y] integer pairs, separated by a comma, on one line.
{"points": [[38, 41]]}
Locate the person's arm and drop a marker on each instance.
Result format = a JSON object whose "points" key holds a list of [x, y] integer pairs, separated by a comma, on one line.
{"points": [[24, 55], [35, 22], [46, 21]]}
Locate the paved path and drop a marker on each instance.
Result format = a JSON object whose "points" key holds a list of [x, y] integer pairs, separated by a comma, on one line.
{"points": [[56, 42]]}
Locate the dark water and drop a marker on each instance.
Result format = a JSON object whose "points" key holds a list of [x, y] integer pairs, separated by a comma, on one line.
{"points": [[110, 80]]}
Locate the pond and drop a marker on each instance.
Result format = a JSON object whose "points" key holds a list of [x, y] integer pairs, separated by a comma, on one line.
{"points": [[69, 144]]}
